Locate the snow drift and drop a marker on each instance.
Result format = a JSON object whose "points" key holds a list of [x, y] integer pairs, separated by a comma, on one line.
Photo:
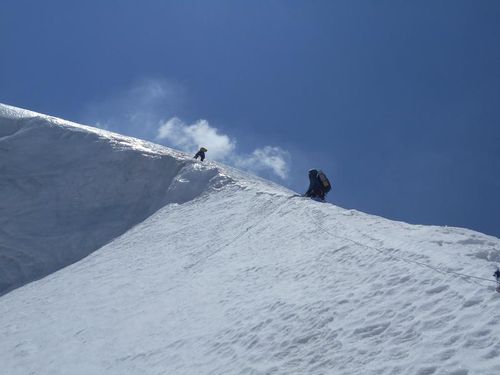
{"points": [[237, 276]]}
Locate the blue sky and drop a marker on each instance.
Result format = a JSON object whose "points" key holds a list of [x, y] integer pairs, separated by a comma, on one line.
{"points": [[397, 101]]}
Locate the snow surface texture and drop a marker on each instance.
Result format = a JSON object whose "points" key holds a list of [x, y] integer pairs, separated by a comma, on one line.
{"points": [[242, 277]]}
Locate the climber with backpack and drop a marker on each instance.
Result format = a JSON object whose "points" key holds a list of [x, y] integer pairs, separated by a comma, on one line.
{"points": [[201, 153], [319, 185]]}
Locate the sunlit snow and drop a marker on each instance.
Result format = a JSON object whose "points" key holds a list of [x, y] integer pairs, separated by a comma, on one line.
{"points": [[167, 265]]}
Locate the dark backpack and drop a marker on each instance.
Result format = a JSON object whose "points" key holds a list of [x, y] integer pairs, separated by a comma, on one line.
{"points": [[324, 182]]}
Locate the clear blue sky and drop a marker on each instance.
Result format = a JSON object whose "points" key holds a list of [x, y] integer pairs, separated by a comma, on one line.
{"points": [[397, 101]]}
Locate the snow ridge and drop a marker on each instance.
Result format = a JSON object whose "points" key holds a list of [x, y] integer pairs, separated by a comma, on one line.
{"points": [[238, 276], [68, 189]]}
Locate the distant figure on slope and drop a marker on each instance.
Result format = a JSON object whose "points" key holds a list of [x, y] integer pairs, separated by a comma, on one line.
{"points": [[319, 185], [201, 153], [497, 276]]}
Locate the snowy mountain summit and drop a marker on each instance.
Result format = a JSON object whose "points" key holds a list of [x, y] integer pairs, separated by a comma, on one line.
{"points": [[119, 256]]}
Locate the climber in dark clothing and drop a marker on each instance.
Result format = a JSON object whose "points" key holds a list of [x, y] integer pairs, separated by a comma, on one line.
{"points": [[201, 153], [318, 185], [497, 275]]}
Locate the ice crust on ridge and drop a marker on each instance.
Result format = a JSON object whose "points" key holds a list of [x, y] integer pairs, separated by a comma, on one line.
{"points": [[240, 277]]}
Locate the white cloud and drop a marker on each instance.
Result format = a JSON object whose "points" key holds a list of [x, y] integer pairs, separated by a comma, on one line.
{"points": [[190, 138], [268, 160]]}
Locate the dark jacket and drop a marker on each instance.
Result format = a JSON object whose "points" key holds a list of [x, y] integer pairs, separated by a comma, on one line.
{"points": [[201, 154], [315, 188]]}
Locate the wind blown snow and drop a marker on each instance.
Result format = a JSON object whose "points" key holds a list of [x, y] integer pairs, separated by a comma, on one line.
{"points": [[171, 266]]}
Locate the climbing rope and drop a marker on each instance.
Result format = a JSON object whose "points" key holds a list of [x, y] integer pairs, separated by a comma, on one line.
{"points": [[421, 264], [319, 225], [237, 237]]}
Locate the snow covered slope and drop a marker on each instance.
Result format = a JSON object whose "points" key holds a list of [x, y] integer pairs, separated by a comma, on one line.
{"points": [[68, 189], [241, 277]]}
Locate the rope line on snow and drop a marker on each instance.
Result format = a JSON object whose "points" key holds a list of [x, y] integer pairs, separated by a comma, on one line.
{"points": [[422, 264], [241, 234], [378, 250]]}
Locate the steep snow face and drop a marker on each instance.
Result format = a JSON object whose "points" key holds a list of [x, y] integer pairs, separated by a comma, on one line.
{"points": [[246, 278], [68, 189]]}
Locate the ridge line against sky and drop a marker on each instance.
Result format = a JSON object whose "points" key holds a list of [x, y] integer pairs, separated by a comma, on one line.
{"points": [[140, 111], [396, 101]]}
